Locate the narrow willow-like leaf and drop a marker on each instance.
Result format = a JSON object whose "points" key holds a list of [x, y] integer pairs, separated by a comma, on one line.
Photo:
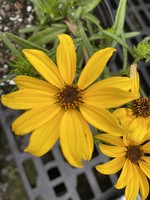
{"points": [[77, 14], [58, 25], [25, 44], [146, 39], [93, 19], [46, 36], [131, 34], [120, 17], [40, 11], [30, 29], [125, 53], [90, 6], [86, 42], [118, 40], [10, 45], [97, 36]]}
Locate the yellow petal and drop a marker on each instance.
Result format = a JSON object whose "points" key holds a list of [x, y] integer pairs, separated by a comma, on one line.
{"points": [[126, 122], [132, 187], [146, 147], [71, 138], [108, 97], [123, 112], [28, 98], [145, 167], [148, 122], [146, 138], [34, 118], [112, 166], [66, 58], [125, 117], [45, 66], [101, 119], [138, 129], [125, 176], [114, 82], [146, 158], [24, 82], [135, 79], [43, 138], [88, 143], [94, 67], [112, 151], [126, 141], [144, 185], [111, 139]]}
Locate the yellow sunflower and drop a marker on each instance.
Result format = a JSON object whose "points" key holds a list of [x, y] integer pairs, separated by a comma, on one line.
{"points": [[60, 108], [138, 116], [134, 160]]}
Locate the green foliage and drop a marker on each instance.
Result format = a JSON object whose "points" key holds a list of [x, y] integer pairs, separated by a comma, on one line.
{"points": [[53, 11], [47, 35], [142, 50], [21, 66], [10, 45], [23, 43], [120, 17]]}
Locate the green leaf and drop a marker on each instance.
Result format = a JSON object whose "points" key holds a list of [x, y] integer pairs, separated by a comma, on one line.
{"points": [[58, 25], [9, 45], [131, 34], [30, 29], [77, 14], [86, 42], [38, 7], [117, 39], [125, 53], [120, 17], [90, 6], [97, 36], [146, 40], [142, 50], [45, 36], [92, 18], [24, 44]]}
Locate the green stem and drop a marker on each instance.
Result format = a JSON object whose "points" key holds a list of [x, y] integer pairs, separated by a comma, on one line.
{"points": [[125, 54]]}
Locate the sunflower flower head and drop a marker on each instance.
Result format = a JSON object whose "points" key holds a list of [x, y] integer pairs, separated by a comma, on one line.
{"points": [[132, 158], [141, 107], [60, 108], [70, 97]]}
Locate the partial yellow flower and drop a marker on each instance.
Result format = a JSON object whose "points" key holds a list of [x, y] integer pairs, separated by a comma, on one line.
{"points": [[60, 108], [134, 75], [134, 160], [138, 116]]}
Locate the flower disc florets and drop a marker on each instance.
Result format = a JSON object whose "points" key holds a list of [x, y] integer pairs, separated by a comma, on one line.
{"points": [[141, 107], [134, 153], [70, 97]]}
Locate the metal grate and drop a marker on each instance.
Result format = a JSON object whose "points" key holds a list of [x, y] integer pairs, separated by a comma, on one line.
{"points": [[51, 177]]}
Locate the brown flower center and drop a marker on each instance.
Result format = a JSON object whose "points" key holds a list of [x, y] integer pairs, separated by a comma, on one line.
{"points": [[134, 153], [70, 97], [141, 107]]}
